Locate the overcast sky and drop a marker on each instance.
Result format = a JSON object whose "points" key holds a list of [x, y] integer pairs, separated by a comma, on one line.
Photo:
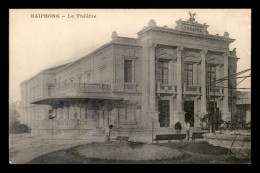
{"points": [[39, 43]]}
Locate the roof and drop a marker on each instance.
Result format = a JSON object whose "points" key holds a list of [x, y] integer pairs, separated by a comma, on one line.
{"points": [[48, 70]]}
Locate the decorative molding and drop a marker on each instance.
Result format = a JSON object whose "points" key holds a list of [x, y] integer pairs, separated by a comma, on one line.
{"points": [[164, 53], [214, 59], [179, 48], [152, 44], [191, 57], [204, 51], [129, 57]]}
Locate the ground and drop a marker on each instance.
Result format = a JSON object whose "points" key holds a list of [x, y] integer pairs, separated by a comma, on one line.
{"points": [[81, 152], [25, 147]]}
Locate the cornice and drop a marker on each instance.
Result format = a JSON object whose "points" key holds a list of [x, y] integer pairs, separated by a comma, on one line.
{"points": [[184, 33]]}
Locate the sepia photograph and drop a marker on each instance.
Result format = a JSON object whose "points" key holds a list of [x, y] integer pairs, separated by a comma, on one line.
{"points": [[130, 86]]}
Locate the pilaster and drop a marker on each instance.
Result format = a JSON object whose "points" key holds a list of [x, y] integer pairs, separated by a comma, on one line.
{"points": [[203, 103], [145, 78], [152, 82], [179, 106], [226, 115], [59, 113], [82, 113], [65, 112]]}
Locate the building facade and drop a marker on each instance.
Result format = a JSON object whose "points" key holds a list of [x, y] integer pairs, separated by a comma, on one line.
{"points": [[243, 106], [155, 80]]}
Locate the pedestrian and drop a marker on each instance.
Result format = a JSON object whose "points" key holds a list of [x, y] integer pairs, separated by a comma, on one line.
{"points": [[108, 132], [178, 127], [188, 130]]}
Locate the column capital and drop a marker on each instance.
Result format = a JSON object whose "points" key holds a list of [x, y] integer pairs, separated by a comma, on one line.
{"points": [[152, 44], [204, 51], [179, 48], [196, 98]]}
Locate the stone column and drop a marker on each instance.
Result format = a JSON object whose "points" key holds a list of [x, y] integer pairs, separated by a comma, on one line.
{"points": [[152, 77], [203, 102], [146, 116], [59, 113], [145, 78], [153, 112], [82, 113], [62, 114], [90, 121], [54, 113], [71, 112], [77, 112], [66, 112], [179, 108], [226, 115]]}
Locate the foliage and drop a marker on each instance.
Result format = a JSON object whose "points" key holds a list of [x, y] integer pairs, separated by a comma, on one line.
{"points": [[15, 125], [211, 119]]}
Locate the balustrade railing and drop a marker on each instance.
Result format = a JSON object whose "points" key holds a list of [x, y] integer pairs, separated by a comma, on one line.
{"points": [[82, 87], [127, 87], [218, 90], [132, 87], [191, 89], [163, 89]]}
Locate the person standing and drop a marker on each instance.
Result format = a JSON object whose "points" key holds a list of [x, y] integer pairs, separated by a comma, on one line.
{"points": [[178, 127], [107, 131], [188, 130]]}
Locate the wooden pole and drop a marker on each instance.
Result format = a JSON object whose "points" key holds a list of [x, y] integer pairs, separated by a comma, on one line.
{"points": [[214, 107], [231, 119], [152, 132]]}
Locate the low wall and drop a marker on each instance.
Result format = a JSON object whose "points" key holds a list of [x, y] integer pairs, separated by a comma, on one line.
{"points": [[225, 139], [140, 134]]}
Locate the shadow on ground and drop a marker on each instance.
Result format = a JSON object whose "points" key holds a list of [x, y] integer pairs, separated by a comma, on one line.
{"points": [[191, 153]]}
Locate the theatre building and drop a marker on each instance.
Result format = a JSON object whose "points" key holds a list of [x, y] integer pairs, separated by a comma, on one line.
{"points": [[155, 80]]}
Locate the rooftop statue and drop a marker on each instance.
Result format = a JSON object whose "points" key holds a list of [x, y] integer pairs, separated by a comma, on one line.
{"points": [[192, 19]]}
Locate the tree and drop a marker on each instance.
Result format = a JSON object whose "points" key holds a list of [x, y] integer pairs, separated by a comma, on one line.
{"points": [[15, 125]]}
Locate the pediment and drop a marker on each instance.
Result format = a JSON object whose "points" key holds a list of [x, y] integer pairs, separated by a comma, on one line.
{"points": [[215, 60], [169, 54], [192, 59]]}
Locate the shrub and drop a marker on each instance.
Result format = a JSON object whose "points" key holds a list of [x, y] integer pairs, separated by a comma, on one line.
{"points": [[16, 127]]}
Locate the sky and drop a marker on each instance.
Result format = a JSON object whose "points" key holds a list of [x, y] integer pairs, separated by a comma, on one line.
{"points": [[39, 43]]}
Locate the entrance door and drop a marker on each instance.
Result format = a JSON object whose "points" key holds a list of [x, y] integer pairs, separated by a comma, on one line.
{"points": [[189, 109], [164, 116]]}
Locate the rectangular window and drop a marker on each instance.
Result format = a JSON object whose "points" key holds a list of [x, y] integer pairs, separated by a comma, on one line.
{"points": [[211, 74], [163, 72], [50, 90], [188, 74], [128, 71]]}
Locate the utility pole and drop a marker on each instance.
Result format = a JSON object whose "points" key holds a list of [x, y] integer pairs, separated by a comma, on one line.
{"points": [[214, 107], [231, 87], [208, 109], [229, 77]]}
